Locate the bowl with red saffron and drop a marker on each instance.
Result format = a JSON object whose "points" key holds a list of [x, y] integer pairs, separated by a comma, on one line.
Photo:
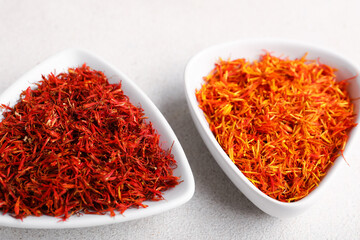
{"points": [[278, 117], [81, 145]]}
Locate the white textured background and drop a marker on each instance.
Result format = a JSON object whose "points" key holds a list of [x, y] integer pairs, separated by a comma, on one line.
{"points": [[151, 41]]}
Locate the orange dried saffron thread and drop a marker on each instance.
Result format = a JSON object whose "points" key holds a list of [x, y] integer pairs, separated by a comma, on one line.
{"points": [[282, 122]]}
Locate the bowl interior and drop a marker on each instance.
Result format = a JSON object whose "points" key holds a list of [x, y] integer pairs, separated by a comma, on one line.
{"points": [[201, 64], [172, 198]]}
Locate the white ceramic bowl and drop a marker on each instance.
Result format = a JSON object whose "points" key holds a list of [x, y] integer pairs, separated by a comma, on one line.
{"points": [[202, 63], [173, 197]]}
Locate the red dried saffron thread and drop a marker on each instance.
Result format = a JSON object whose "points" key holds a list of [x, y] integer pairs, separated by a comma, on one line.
{"points": [[76, 144], [282, 122]]}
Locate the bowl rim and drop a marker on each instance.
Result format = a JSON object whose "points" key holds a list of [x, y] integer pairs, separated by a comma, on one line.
{"points": [[199, 116]]}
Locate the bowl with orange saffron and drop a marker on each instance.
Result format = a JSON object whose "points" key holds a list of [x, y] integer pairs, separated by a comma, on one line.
{"points": [[277, 116]]}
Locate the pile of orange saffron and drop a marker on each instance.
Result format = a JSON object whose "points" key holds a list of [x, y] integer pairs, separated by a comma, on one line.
{"points": [[282, 122]]}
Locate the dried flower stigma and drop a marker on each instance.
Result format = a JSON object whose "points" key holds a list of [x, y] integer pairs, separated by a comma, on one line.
{"points": [[75, 145], [282, 122]]}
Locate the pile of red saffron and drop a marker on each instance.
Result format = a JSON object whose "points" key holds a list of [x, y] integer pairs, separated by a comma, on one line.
{"points": [[75, 145], [282, 122]]}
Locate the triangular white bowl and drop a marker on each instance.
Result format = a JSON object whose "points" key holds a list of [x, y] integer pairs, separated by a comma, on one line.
{"points": [[172, 198], [201, 65]]}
